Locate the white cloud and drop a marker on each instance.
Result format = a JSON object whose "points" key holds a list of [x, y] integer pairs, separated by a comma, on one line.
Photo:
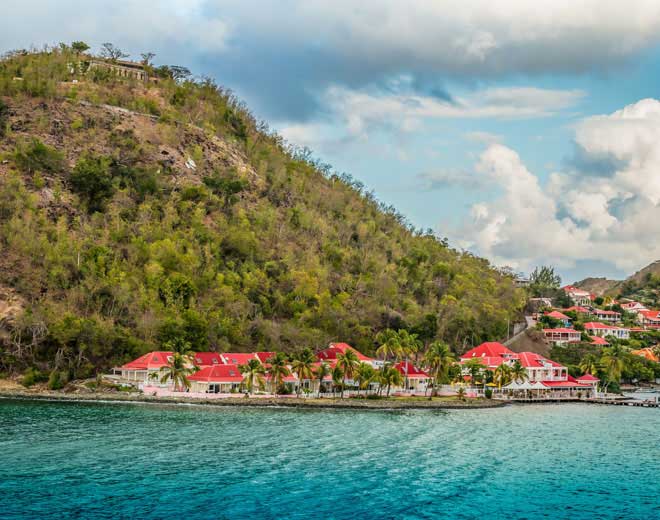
{"points": [[611, 216], [362, 110]]}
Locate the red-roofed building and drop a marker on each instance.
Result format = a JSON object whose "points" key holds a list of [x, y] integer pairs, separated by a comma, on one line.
{"points": [[578, 296], [208, 359], [594, 328], [415, 379], [604, 315], [633, 306], [542, 369], [238, 358], [649, 319], [562, 336], [264, 356], [597, 340], [334, 349], [221, 379], [566, 321], [144, 368]]}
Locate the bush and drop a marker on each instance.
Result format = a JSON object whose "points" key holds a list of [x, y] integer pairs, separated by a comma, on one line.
{"points": [[33, 376], [91, 179], [488, 393], [36, 156], [57, 380], [4, 118]]}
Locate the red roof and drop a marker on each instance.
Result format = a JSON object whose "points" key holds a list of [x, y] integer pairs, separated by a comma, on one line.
{"points": [[411, 371], [534, 360], [564, 384], [263, 356], [597, 340], [488, 349], [598, 325], [238, 358], [577, 308], [560, 329], [587, 377], [606, 313], [218, 374], [557, 315], [203, 359], [339, 348], [151, 361], [650, 315]]}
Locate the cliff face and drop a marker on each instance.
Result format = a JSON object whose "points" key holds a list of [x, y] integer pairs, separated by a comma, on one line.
{"points": [[133, 215]]}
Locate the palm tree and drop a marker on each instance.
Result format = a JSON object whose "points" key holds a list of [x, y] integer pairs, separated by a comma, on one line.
{"points": [[178, 369], [253, 375], [519, 372], [338, 379], [613, 361], [180, 345], [277, 370], [364, 375], [389, 344], [389, 376], [303, 366], [322, 370], [589, 364], [502, 375], [348, 362], [438, 358]]}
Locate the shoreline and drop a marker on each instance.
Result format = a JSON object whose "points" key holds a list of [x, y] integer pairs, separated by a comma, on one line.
{"points": [[289, 403]]}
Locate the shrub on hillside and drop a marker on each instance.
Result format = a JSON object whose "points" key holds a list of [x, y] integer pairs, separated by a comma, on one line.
{"points": [[91, 179], [36, 156]]}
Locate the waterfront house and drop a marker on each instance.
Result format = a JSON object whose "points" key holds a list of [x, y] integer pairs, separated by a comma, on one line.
{"points": [[238, 358], [562, 336], [219, 379], [545, 377], [594, 328], [145, 368], [334, 349], [415, 380]]}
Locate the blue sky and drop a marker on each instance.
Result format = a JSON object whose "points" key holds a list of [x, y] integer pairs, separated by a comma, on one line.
{"points": [[522, 133]]}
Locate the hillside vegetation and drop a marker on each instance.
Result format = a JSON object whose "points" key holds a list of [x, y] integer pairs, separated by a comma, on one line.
{"points": [[642, 286], [132, 214]]}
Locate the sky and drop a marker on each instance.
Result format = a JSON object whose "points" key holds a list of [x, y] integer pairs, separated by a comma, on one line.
{"points": [[528, 134]]}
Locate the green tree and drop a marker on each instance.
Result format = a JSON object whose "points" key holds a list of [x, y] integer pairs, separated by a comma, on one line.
{"points": [[348, 362], [590, 364], [338, 379], [253, 375], [91, 179], [302, 365], [502, 375], [475, 368], [321, 372], [389, 376], [79, 47], [364, 375], [177, 370], [277, 370], [4, 118], [544, 281], [518, 372], [438, 358], [613, 362]]}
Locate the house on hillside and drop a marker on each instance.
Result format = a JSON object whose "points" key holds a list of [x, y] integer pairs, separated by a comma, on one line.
{"points": [[633, 306], [649, 319], [594, 328], [603, 315], [556, 315], [578, 296], [121, 68], [219, 379], [562, 336]]}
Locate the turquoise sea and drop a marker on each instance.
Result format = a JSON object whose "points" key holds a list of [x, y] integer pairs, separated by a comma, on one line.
{"points": [[68, 460]]}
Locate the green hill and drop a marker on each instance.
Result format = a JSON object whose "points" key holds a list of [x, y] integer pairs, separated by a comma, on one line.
{"points": [[135, 212]]}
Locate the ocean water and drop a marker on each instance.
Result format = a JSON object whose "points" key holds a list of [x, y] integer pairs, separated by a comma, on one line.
{"points": [[67, 460]]}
